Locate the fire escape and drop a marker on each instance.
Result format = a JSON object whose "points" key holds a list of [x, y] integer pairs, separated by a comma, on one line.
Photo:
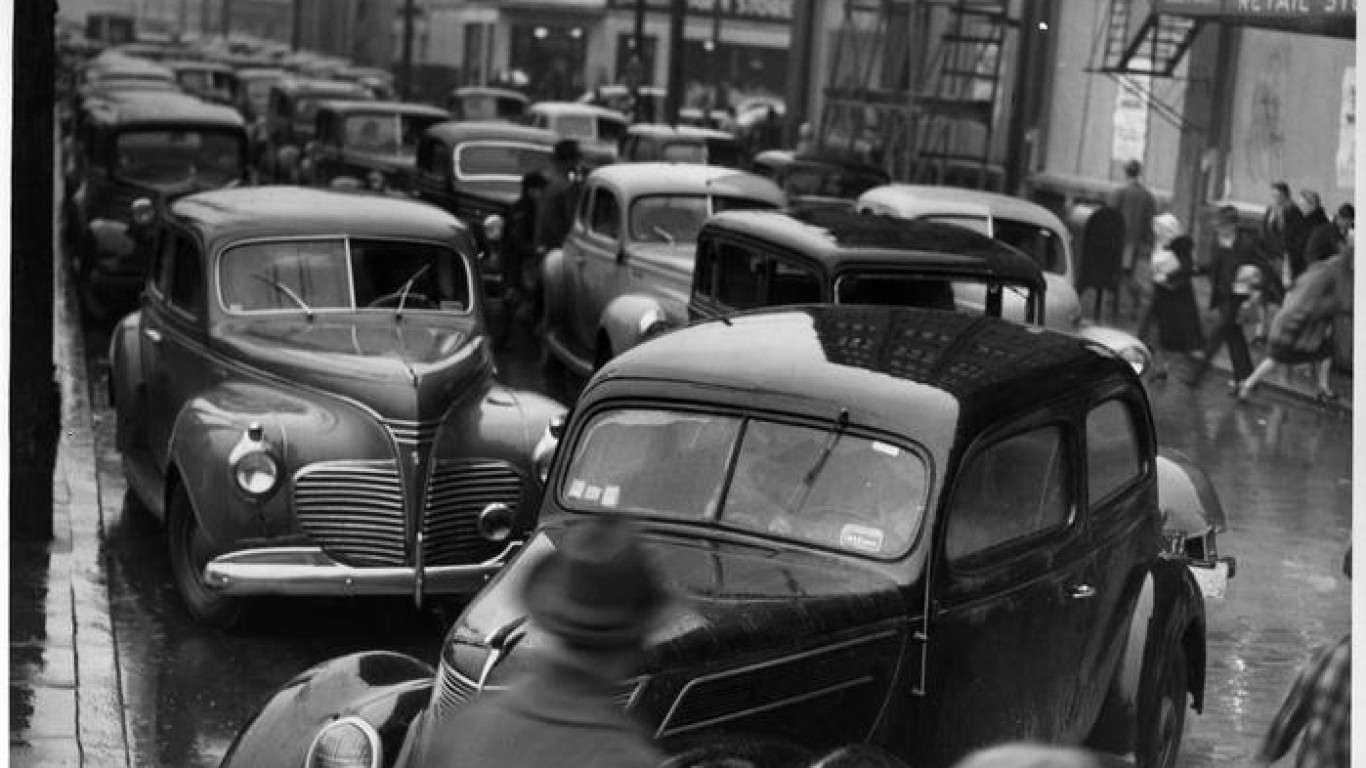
{"points": [[1154, 49]]}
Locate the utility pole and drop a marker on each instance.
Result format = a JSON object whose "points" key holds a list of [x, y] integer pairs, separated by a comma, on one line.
{"points": [[678, 12], [636, 72], [225, 17], [407, 85], [297, 29]]}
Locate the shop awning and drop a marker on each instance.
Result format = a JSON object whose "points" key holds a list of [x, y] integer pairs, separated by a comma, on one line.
{"points": [[1332, 18]]}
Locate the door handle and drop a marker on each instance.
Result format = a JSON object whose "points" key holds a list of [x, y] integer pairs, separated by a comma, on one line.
{"points": [[152, 334], [1081, 591]]}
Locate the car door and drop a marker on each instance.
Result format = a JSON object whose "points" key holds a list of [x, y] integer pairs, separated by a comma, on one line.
{"points": [[1005, 630], [602, 266]]}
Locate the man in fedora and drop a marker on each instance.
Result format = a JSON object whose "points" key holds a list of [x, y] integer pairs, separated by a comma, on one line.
{"points": [[555, 214], [593, 599]]}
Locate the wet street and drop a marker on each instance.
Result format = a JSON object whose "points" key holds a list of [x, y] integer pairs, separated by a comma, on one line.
{"points": [[1282, 468]]}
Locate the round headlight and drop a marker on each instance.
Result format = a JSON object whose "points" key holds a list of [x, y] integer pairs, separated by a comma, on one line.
{"points": [[1136, 358], [256, 473], [345, 743]]}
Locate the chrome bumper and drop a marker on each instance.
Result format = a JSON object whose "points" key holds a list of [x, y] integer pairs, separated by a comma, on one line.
{"points": [[309, 571]]}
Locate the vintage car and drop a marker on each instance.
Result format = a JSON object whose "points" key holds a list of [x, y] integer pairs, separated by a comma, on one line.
{"points": [[653, 143], [920, 530], [131, 145], [474, 102], [306, 398], [379, 81], [210, 81], [598, 130], [292, 109], [1023, 224], [355, 139], [617, 97], [627, 263], [818, 180], [108, 72], [254, 98]]}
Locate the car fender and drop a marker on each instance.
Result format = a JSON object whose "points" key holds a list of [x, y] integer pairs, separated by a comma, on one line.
{"points": [[1189, 504], [386, 690], [629, 319], [553, 283], [125, 379], [1169, 613], [1117, 341]]}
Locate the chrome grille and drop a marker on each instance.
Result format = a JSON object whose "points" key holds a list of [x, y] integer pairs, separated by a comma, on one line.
{"points": [[353, 510], [452, 689], [413, 432], [456, 493]]}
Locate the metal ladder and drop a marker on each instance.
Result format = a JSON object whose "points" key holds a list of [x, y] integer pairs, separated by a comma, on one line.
{"points": [[1155, 49]]}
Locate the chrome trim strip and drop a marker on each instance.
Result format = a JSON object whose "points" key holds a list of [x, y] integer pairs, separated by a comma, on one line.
{"points": [[779, 704], [309, 571]]}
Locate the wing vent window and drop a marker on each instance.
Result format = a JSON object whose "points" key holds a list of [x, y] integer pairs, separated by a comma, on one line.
{"points": [[606, 219], [1112, 455], [1011, 491]]}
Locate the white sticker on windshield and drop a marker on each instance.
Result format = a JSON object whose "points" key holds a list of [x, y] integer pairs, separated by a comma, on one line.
{"points": [[890, 450], [864, 538], [592, 493], [610, 494], [452, 306], [576, 489]]}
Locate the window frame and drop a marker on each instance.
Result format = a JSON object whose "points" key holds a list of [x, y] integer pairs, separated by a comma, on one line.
{"points": [[599, 192], [178, 238], [1124, 399]]}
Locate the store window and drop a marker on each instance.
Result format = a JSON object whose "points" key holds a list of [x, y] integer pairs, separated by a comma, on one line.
{"points": [[552, 57]]}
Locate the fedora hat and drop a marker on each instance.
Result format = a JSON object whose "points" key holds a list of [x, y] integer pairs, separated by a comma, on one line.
{"points": [[566, 150], [597, 589]]}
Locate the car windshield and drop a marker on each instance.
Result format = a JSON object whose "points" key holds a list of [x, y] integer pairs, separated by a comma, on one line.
{"points": [[486, 106], [685, 152], [500, 160], [959, 294], [165, 156], [575, 126], [258, 93], [386, 134], [343, 274], [678, 218], [815, 485]]}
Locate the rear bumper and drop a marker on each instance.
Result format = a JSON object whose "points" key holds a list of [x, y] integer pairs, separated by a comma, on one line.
{"points": [[303, 571]]}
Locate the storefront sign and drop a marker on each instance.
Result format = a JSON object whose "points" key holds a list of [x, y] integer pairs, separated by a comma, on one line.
{"points": [[1258, 8], [1130, 134], [753, 10], [1346, 157]]}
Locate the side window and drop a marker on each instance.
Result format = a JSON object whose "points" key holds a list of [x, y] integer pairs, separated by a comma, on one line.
{"points": [[792, 284], [740, 277], [165, 263], [1012, 490], [704, 268], [1112, 453], [187, 276], [606, 220]]}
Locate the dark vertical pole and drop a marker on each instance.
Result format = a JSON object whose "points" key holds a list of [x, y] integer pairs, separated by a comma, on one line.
{"points": [[678, 13], [297, 28], [226, 17], [408, 13], [636, 68], [1035, 27], [799, 66], [714, 60]]}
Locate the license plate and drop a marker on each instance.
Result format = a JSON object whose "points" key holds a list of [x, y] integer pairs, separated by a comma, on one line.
{"points": [[1213, 580]]}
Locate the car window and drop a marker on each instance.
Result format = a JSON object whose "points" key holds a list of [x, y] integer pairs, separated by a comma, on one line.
{"points": [[610, 130], [668, 218], [575, 126], [685, 152], [804, 483], [1041, 243], [187, 276], [1112, 455], [739, 277], [1011, 491], [162, 265], [606, 216], [790, 284], [900, 290], [705, 267], [500, 160], [164, 156]]}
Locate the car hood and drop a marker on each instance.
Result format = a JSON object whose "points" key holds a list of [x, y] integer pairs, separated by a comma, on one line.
{"points": [[728, 599], [409, 369]]}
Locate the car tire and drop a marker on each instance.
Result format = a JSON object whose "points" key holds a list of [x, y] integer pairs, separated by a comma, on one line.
{"points": [[1160, 730], [189, 555]]}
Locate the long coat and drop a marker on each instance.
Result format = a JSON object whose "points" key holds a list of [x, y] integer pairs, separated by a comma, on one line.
{"points": [[1174, 306]]}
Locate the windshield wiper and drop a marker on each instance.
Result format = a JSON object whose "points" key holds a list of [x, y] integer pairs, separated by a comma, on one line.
{"points": [[408, 286], [286, 290], [664, 233], [803, 491]]}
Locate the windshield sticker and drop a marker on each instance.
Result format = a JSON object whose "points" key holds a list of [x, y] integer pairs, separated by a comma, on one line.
{"points": [[576, 489], [610, 494], [890, 450], [592, 493], [863, 538]]}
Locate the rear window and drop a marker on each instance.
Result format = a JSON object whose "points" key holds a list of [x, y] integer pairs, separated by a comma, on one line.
{"points": [[500, 160]]}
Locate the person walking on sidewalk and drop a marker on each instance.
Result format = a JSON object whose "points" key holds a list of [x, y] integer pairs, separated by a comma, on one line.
{"points": [[1138, 207], [1281, 222], [1173, 306], [522, 270], [1329, 239], [1312, 216], [1233, 282]]}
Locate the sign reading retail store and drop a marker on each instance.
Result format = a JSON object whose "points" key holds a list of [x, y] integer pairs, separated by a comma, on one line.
{"points": [[1130, 133], [1257, 8], [753, 10]]}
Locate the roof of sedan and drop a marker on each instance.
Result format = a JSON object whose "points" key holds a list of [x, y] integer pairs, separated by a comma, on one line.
{"points": [[575, 107], [457, 131], [149, 107], [349, 106], [835, 237], [247, 212], [687, 178], [889, 366], [680, 131], [313, 86], [930, 199]]}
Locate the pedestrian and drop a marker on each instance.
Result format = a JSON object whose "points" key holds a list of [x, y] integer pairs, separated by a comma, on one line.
{"points": [[1173, 307], [1281, 222], [1312, 216], [555, 212], [1331, 238], [1302, 331], [1136, 204], [521, 262], [592, 599], [1234, 281], [1029, 755], [1317, 709]]}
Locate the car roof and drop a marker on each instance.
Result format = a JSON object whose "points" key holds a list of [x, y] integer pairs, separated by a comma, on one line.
{"points": [[575, 107], [836, 237], [120, 65], [260, 73], [928, 199], [338, 88], [192, 64], [680, 131], [480, 90], [783, 157], [227, 215], [456, 131], [351, 106], [159, 108], [897, 367], [686, 178]]}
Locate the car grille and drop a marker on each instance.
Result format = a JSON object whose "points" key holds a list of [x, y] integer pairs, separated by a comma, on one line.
{"points": [[453, 689], [354, 510]]}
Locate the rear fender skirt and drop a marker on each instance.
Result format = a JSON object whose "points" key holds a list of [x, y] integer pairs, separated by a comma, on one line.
{"points": [[387, 690]]}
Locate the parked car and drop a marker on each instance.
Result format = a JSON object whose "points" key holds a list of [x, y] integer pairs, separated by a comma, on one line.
{"points": [[290, 122], [108, 72], [209, 80], [354, 139], [379, 81], [617, 97], [306, 399], [1023, 224], [480, 103], [474, 170], [627, 263], [649, 142], [133, 145], [816, 180], [254, 99], [598, 130], [920, 530]]}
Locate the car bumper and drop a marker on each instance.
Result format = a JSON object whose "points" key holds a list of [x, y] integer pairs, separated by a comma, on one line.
{"points": [[310, 571]]}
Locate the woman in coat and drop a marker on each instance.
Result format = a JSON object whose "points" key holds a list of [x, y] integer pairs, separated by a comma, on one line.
{"points": [[1173, 306]]}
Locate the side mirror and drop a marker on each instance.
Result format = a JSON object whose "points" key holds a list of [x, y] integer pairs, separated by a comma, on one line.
{"points": [[143, 212]]}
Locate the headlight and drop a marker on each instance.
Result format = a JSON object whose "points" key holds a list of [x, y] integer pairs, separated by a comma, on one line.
{"points": [[348, 742], [254, 466], [1136, 358], [651, 322], [493, 228]]}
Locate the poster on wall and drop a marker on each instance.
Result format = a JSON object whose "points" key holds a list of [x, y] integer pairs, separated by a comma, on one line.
{"points": [[1130, 135], [1346, 157]]}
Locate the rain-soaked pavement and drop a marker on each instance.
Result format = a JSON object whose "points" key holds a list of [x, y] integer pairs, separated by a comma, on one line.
{"points": [[1283, 470]]}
